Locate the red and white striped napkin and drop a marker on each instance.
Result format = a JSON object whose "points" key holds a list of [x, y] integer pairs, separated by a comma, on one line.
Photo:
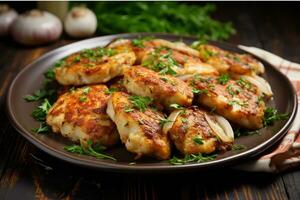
{"points": [[287, 153]]}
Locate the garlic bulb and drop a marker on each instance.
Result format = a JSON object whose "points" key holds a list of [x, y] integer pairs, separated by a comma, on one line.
{"points": [[7, 17], [80, 22], [36, 27]]}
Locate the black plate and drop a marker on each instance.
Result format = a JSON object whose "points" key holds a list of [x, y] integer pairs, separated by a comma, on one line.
{"points": [[31, 79]]}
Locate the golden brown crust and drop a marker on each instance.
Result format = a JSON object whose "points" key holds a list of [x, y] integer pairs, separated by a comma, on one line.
{"points": [[237, 100], [192, 134], [81, 115], [93, 66], [163, 88], [144, 127], [225, 61]]}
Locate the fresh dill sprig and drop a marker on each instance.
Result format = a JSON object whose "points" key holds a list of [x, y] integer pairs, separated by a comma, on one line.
{"points": [[197, 158]]}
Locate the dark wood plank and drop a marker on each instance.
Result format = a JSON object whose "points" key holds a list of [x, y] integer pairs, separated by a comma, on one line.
{"points": [[280, 34]]}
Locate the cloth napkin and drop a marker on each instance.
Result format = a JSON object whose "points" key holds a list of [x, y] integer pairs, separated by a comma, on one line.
{"points": [[287, 153]]}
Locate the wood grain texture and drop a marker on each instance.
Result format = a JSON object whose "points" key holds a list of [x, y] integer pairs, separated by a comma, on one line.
{"points": [[28, 173]]}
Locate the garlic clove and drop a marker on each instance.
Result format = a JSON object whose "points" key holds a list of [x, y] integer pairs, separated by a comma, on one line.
{"points": [[7, 17], [80, 22], [36, 27]]}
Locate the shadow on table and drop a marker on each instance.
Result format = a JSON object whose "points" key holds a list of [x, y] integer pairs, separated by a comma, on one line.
{"points": [[56, 179]]}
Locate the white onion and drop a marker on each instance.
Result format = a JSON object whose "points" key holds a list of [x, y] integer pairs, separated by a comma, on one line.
{"points": [[261, 83], [172, 118], [200, 68], [179, 46], [221, 128], [185, 77], [118, 42], [80, 22], [36, 27], [7, 17]]}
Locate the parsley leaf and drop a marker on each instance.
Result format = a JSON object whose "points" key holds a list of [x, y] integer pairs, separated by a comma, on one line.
{"points": [[140, 102], [37, 95], [82, 99], [162, 63], [43, 128], [41, 111], [86, 90], [111, 90], [198, 140], [176, 106], [89, 149], [223, 79]]}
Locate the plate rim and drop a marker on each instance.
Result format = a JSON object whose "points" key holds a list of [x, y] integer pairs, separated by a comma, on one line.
{"points": [[113, 166]]}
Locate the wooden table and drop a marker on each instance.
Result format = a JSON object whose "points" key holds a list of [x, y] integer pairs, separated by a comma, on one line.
{"points": [[24, 176]]}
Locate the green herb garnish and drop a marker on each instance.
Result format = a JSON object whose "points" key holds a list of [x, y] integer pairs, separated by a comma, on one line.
{"points": [[82, 99], [238, 147], [128, 109], [223, 79], [41, 111], [176, 106], [43, 128], [196, 91], [163, 121], [198, 140], [111, 90], [37, 95], [50, 74], [192, 158], [94, 54], [86, 90], [244, 83], [235, 102], [207, 54], [259, 99], [72, 89], [184, 120], [164, 79], [140, 102], [94, 150], [59, 63], [271, 115], [161, 63], [232, 91], [76, 59]]}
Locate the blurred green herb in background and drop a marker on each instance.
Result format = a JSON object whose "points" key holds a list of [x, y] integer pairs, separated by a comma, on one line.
{"points": [[170, 17]]}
